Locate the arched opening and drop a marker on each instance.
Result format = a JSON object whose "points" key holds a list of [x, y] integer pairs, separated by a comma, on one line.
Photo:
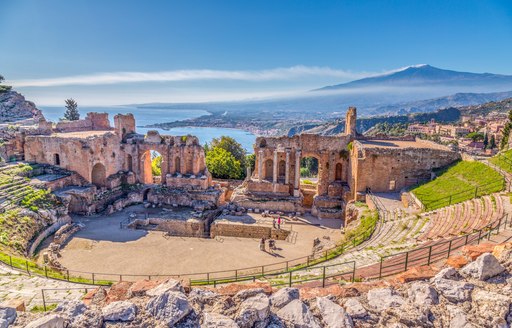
{"points": [[269, 169], [99, 175], [282, 169], [309, 170], [129, 162], [177, 164], [56, 159], [152, 167], [145, 194], [338, 173]]}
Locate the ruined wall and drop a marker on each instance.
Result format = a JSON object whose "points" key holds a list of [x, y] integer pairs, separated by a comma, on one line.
{"points": [[278, 162], [392, 168], [94, 158], [92, 122], [246, 231]]}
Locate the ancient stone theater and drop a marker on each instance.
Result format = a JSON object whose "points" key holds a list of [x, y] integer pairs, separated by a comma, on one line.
{"points": [[111, 163]]}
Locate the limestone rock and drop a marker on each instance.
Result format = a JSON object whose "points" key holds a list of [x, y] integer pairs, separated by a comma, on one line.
{"points": [[48, 321], [503, 252], [139, 288], [71, 308], [214, 320], [296, 314], [89, 319], [491, 307], [447, 273], [7, 316], [120, 311], [254, 311], [246, 293], [354, 308], [458, 318], [14, 107], [284, 296], [474, 251], [454, 291], [333, 315], [169, 285], [421, 293], [169, 307], [383, 298], [486, 266]]}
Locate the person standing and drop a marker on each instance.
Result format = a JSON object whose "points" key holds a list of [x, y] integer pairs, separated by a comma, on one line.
{"points": [[274, 222], [279, 223], [262, 244]]}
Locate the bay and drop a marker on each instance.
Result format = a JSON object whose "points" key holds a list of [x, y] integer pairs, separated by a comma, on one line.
{"points": [[146, 116]]}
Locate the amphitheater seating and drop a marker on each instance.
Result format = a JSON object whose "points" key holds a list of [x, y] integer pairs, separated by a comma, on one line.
{"points": [[462, 218], [12, 188]]}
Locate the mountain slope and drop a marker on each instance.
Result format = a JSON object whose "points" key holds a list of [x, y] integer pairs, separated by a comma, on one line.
{"points": [[426, 75]]}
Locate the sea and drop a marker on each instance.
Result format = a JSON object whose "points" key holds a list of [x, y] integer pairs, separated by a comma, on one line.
{"points": [[146, 116]]}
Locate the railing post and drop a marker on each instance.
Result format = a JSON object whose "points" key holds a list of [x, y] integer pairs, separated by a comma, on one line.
{"points": [[308, 260], [380, 268], [290, 279], [208, 277], [287, 265], [326, 255], [466, 241], [429, 254], [214, 283], [44, 300], [120, 277], [479, 236], [323, 276], [406, 260], [236, 274], [354, 272], [10, 260], [262, 269], [93, 278], [67, 271], [449, 248], [498, 227], [45, 271]]}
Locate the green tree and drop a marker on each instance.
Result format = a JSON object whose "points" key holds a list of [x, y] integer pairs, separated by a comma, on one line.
{"points": [[506, 131], [310, 164], [492, 143], [486, 141], [3, 88], [232, 147], [475, 136], [250, 161], [156, 165], [222, 164], [71, 113]]}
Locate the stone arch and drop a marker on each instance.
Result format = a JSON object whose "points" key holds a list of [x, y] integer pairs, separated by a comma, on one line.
{"points": [[177, 164], [339, 172], [99, 175], [56, 159], [263, 143], [281, 173], [269, 169]]}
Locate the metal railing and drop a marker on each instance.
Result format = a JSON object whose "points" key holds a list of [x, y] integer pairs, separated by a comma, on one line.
{"points": [[201, 278], [400, 262]]}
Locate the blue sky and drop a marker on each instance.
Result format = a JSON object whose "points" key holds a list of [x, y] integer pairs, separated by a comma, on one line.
{"points": [[115, 52]]}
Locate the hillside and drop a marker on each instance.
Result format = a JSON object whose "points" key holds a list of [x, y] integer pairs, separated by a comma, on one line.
{"points": [[14, 107]]}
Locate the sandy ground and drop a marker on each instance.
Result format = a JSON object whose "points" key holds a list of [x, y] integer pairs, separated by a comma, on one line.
{"points": [[103, 247]]}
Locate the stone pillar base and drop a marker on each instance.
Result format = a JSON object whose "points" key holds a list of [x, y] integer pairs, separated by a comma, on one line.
{"points": [[296, 193]]}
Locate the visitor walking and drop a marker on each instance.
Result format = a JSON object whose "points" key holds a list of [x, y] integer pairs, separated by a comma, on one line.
{"points": [[271, 245], [279, 223], [262, 244], [274, 223]]}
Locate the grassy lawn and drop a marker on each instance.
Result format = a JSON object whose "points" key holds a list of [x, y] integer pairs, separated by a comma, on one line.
{"points": [[503, 160], [457, 183]]}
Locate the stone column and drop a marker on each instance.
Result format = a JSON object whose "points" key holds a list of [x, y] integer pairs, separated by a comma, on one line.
{"points": [[260, 165], [182, 161], [287, 168], [296, 185], [274, 175]]}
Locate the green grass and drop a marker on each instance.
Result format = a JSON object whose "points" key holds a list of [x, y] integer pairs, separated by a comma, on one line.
{"points": [[458, 183], [40, 308], [503, 160]]}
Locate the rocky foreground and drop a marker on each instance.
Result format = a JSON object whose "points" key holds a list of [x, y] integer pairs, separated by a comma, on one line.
{"points": [[477, 294]]}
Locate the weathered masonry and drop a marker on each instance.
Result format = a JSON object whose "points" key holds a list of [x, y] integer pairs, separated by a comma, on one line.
{"points": [[348, 164]]}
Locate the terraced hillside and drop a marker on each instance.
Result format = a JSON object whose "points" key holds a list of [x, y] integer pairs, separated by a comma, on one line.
{"points": [[458, 183], [503, 160], [24, 208]]}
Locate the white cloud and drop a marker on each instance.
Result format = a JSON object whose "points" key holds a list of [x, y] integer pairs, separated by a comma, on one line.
{"points": [[289, 73]]}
